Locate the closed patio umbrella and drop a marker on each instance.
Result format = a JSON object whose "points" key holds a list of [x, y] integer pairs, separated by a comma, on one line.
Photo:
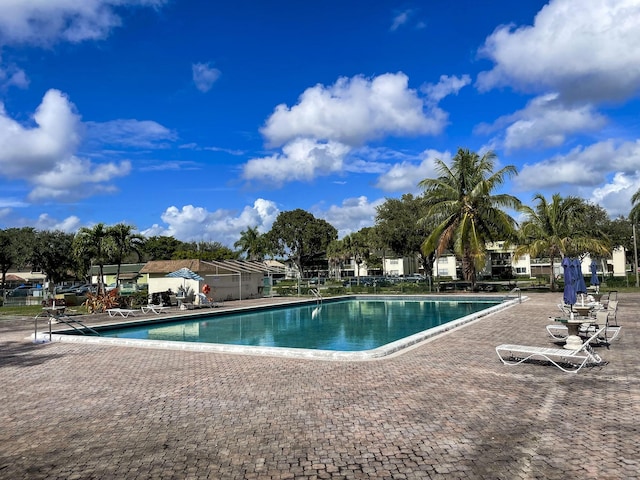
{"points": [[569, 295], [581, 287], [595, 281]]}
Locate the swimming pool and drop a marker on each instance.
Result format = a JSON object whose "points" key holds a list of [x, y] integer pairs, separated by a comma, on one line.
{"points": [[350, 328]]}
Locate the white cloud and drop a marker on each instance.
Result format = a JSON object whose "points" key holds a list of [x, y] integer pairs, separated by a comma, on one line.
{"points": [[42, 22], [404, 176], [11, 202], [197, 223], [45, 222], [76, 178], [615, 196], [12, 76], [301, 159], [24, 151], [585, 50], [352, 215], [581, 166], [328, 124], [44, 154], [130, 133], [354, 111], [544, 122], [204, 76], [448, 85], [401, 19]]}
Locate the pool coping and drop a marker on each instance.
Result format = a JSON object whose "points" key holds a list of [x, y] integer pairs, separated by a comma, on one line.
{"points": [[386, 350]]}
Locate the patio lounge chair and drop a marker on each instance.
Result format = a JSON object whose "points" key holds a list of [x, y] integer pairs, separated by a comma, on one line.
{"points": [[559, 332], [123, 312], [157, 309], [570, 361], [612, 309]]}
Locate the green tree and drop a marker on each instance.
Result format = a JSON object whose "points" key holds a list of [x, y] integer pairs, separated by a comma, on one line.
{"points": [[53, 254], [252, 244], [356, 246], [559, 228], [336, 256], [301, 236], [399, 227], [16, 249], [466, 213], [123, 242], [207, 251], [160, 248], [620, 233], [91, 246], [634, 214]]}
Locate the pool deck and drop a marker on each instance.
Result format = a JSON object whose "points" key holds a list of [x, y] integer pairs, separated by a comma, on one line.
{"points": [[445, 408]]}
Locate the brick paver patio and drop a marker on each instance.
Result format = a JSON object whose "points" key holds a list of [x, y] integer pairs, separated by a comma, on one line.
{"points": [[446, 408]]}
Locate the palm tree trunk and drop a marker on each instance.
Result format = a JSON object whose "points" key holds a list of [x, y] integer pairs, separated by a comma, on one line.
{"points": [[469, 269]]}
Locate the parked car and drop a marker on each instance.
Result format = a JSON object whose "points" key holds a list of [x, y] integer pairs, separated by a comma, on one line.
{"points": [[128, 288], [65, 289], [416, 277], [21, 291], [84, 289]]}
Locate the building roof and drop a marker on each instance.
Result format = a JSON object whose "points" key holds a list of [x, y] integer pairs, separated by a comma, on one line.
{"points": [[113, 269], [202, 267], [10, 277]]}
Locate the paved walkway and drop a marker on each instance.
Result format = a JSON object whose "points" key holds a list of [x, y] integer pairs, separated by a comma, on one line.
{"points": [[444, 409]]}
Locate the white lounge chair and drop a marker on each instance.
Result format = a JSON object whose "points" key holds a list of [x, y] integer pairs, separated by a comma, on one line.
{"points": [[123, 312], [157, 309], [559, 332], [560, 357], [612, 308]]}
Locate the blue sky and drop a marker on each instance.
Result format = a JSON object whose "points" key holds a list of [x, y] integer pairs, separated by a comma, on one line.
{"points": [[198, 120]]}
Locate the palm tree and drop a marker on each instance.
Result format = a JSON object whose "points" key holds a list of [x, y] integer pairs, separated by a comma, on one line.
{"points": [[123, 242], [557, 229], [336, 257], [356, 247], [634, 215], [251, 243], [465, 211], [91, 244]]}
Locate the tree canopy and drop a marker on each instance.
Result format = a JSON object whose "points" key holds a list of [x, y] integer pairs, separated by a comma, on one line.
{"points": [[466, 212], [560, 228], [16, 247], [301, 236], [399, 228]]}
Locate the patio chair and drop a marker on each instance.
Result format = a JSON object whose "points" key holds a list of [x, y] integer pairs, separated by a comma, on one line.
{"points": [[565, 309], [570, 361], [612, 309], [123, 312], [157, 309], [611, 332]]}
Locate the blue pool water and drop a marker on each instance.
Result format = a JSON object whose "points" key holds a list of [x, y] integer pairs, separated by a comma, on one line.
{"points": [[346, 325]]}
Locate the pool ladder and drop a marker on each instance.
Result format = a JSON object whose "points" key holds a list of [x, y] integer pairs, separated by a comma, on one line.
{"points": [[61, 318], [316, 293]]}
